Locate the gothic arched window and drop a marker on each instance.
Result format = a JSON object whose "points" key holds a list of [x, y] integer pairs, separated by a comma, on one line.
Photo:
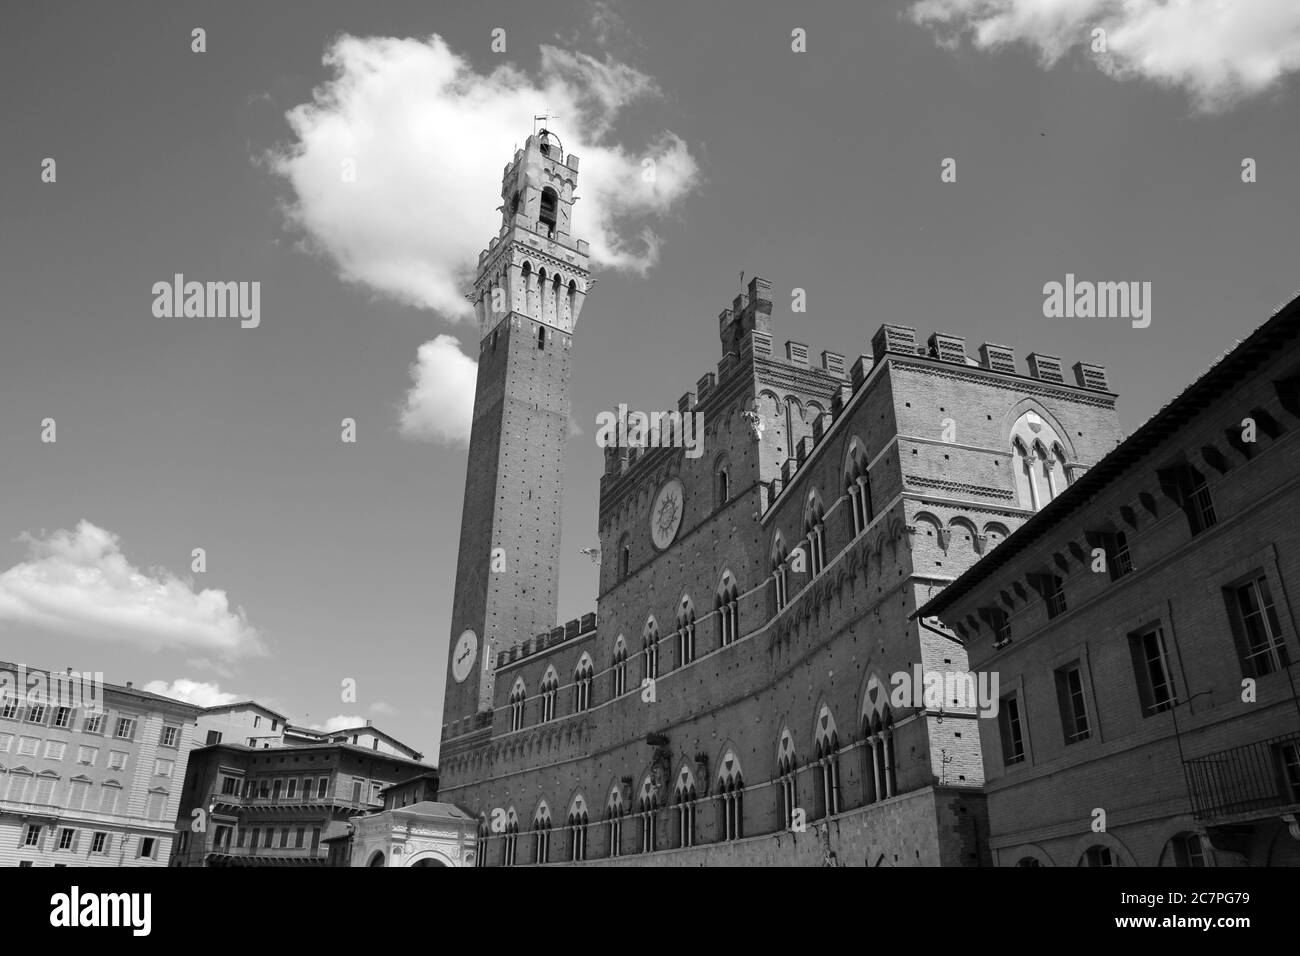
{"points": [[685, 631], [620, 667], [728, 608], [684, 801], [1040, 474], [815, 530], [614, 811], [780, 571], [518, 695], [650, 649], [731, 797], [550, 689], [577, 826], [542, 834], [827, 754], [857, 483], [582, 677], [786, 765]]}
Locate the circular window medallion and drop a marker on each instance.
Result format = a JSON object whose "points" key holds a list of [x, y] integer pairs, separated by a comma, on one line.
{"points": [[666, 514]]}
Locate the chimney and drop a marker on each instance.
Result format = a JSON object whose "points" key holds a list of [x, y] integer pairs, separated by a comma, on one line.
{"points": [[1045, 368], [796, 353], [998, 358], [833, 362], [893, 338]]}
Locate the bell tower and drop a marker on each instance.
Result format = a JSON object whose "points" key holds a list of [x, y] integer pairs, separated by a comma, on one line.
{"points": [[528, 292]]}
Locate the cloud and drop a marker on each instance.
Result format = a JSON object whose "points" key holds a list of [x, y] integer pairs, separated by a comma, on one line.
{"points": [[79, 583], [341, 722], [1218, 52], [192, 692], [440, 404], [383, 709], [427, 137]]}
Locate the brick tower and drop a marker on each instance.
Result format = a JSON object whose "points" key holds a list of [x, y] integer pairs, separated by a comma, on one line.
{"points": [[528, 293]]}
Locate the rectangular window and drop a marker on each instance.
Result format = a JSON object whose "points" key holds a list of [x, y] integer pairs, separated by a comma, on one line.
{"points": [[253, 838], [276, 788], [1288, 761], [356, 789], [9, 708], [229, 785], [18, 787], [108, 800], [36, 714], [214, 737], [375, 787], [300, 837], [1069, 696], [28, 746], [94, 724], [63, 717], [6, 741], [157, 809], [997, 619], [257, 722], [171, 736], [293, 788], [264, 788], [125, 728], [240, 836], [163, 768], [77, 794], [33, 835], [284, 838], [315, 838], [1255, 627], [65, 838], [1187, 486], [1054, 594], [1151, 666], [322, 787], [1013, 740], [117, 760], [87, 755], [99, 843], [54, 749], [147, 847], [1118, 560]]}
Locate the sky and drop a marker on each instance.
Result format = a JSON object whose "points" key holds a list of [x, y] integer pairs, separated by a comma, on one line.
{"points": [[347, 158]]}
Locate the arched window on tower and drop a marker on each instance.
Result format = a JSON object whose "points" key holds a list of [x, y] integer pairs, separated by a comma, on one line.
{"points": [[541, 338], [514, 205], [1040, 474], [624, 557], [550, 205]]}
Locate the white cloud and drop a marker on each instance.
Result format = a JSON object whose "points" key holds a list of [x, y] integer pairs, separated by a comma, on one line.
{"points": [[383, 708], [440, 404], [79, 583], [192, 692], [428, 137], [341, 722], [1218, 52]]}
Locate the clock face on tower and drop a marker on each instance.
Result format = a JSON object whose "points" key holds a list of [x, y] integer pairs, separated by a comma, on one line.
{"points": [[462, 659], [666, 514]]}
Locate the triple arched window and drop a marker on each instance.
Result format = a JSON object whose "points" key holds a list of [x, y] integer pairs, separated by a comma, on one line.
{"points": [[727, 602], [550, 690], [814, 529], [620, 667], [518, 696], [857, 483], [731, 797], [685, 631], [650, 649], [780, 571], [1038, 457], [684, 803], [582, 678]]}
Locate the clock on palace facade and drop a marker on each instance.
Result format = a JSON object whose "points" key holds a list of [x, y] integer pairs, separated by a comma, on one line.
{"points": [[462, 661], [666, 514]]}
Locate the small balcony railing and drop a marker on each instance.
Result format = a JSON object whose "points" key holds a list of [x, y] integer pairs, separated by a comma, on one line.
{"points": [[1258, 776]]}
